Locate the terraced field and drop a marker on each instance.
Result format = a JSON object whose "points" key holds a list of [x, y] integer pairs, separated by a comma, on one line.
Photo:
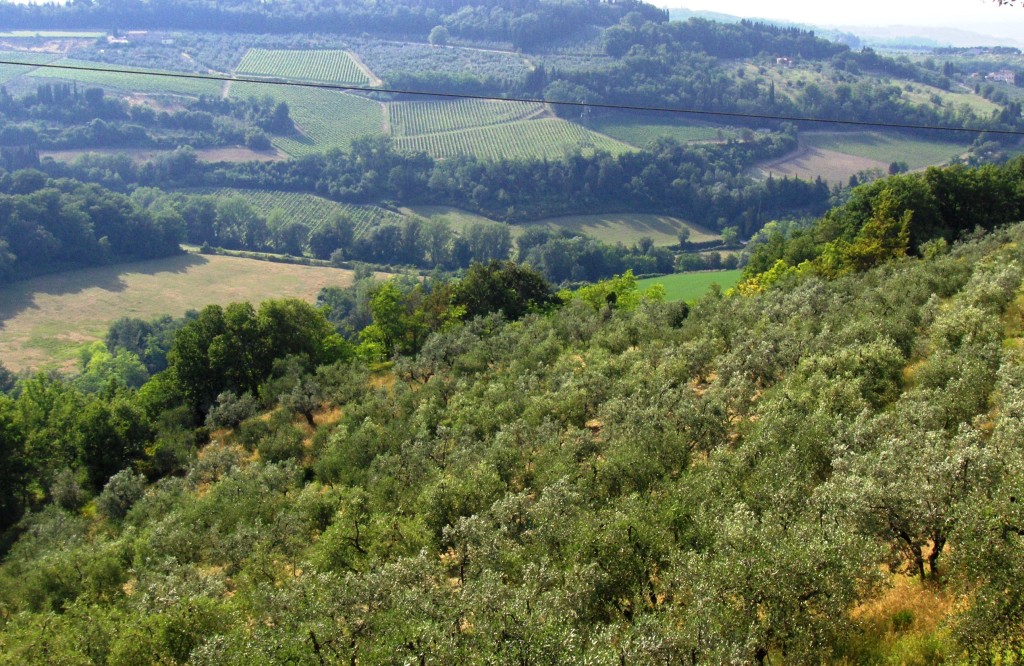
{"points": [[139, 83], [413, 118], [326, 118], [309, 209], [332, 66], [548, 138]]}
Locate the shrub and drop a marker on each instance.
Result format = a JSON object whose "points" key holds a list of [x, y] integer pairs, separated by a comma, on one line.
{"points": [[122, 491]]}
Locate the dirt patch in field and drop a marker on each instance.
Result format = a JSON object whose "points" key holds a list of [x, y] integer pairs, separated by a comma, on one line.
{"points": [[808, 163]]}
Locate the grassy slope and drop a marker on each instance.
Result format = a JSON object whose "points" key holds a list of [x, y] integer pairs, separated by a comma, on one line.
{"points": [[887, 147], [326, 118], [691, 286], [136, 83], [47, 319], [640, 129], [626, 228]]}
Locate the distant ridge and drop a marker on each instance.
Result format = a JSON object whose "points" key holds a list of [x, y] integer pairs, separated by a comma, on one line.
{"points": [[893, 36]]}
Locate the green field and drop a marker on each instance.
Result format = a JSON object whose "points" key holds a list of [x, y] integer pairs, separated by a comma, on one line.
{"points": [[691, 286], [309, 209], [8, 72], [46, 320], [546, 138], [315, 65], [326, 118], [413, 118], [456, 218], [640, 129], [628, 228], [142, 83], [887, 147]]}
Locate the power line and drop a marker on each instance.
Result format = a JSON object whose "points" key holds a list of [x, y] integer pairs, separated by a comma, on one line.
{"points": [[525, 100]]}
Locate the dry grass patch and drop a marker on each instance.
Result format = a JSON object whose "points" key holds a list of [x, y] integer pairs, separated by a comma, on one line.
{"points": [[46, 320], [810, 162], [906, 624]]}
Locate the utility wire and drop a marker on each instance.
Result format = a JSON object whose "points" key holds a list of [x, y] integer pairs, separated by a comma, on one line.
{"points": [[527, 100]]}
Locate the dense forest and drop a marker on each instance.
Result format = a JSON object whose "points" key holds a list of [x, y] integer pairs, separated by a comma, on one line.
{"points": [[823, 465]]}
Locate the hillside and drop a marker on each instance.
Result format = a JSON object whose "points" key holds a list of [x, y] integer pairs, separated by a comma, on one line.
{"points": [[823, 471]]}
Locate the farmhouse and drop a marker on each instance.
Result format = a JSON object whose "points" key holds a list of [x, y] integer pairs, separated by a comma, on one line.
{"points": [[1003, 75]]}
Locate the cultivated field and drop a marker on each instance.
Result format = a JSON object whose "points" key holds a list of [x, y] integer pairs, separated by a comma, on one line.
{"points": [[809, 163], [326, 118], [223, 154], [547, 138], [390, 59], [310, 209], [835, 156], [8, 72], [887, 147], [456, 218], [140, 83], [625, 228], [691, 286], [413, 118], [640, 129], [316, 65], [51, 34], [628, 228], [44, 321]]}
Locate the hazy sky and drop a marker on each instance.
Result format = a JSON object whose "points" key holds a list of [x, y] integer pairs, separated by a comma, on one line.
{"points": [[965, 14]]}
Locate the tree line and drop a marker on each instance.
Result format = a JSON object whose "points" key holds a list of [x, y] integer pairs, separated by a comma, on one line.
{"points": [[49, 224], [61, 116]]}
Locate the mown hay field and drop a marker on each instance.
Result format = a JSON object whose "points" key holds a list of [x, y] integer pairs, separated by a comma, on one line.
{"points": [[46, 320]]}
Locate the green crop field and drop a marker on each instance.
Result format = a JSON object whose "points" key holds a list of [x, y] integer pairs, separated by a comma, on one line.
{"points": [[547, 138], [628, 228], [326, 118], [412, 118], [315, 65], [887, 147], [46, 320], [8, 72], [640, 129], [691, 286], [143, 83], [309, 209]]}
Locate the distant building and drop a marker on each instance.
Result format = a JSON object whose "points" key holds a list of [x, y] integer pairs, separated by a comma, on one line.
{"points": [[785, 62], [1003, 75]]}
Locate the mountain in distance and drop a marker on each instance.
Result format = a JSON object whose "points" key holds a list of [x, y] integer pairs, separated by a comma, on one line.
{"points": [[891, 36]]}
